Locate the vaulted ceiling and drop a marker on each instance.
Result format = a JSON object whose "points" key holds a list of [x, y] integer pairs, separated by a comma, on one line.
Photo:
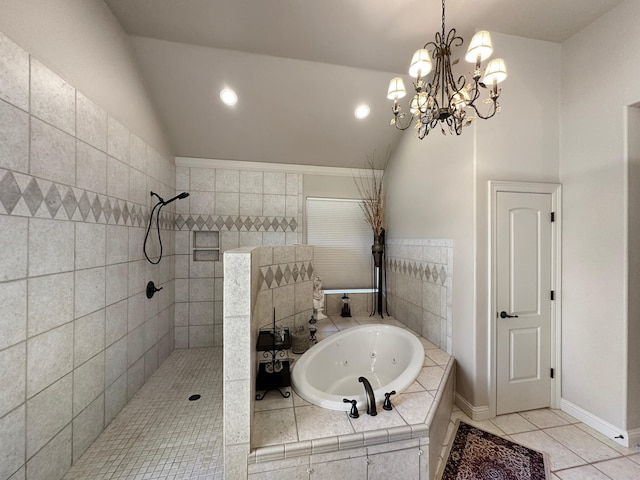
{"points": [[300, 68]]}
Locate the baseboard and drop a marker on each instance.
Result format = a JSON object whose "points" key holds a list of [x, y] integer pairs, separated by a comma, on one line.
{"points": [[473, 412], [634, 437], [602, 426]]}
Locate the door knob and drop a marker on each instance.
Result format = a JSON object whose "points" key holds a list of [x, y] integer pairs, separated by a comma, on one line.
{"points": [[504, 314]]}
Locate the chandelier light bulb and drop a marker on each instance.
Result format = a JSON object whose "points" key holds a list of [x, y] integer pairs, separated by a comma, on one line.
{"points": [[460, 99], [228, 97], [480, 47], [496, 72], [396, 89], [420, 63], [418, 103]]}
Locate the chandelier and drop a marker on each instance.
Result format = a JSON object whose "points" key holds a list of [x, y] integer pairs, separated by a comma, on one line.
{"points": [[443, 99]]}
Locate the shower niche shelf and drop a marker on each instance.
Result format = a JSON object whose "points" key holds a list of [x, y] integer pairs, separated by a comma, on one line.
{"points": [[206, 246]]}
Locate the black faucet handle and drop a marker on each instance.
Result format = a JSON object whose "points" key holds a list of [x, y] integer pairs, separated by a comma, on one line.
{"points": [[354, 409], [387, 401]]}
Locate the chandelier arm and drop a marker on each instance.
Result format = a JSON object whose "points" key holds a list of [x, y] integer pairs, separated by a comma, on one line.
{"points": [[493, 110], [460, 84], [451, 38], [398, 117], [474, 92]]}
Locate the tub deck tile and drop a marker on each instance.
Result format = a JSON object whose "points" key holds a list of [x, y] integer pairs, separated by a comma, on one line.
{"points": [[375, 437], [324, 445], [353, 440], [414, 407], [298, 448], [267, 454], [384, 419], [397, 434]]}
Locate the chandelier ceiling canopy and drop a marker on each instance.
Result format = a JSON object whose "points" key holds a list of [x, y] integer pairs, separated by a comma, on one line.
{"points": [[444, 99]]}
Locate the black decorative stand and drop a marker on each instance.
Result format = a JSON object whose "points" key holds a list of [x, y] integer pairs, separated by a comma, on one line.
{"points": [[379, 275], [273, 373]]}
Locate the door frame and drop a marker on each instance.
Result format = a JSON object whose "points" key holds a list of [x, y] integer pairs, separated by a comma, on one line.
{"points": [[555, 190]]}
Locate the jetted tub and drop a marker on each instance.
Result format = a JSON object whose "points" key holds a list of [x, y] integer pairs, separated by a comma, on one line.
{"points": [[389, 357]]}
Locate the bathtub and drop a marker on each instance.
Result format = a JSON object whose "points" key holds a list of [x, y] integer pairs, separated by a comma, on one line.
{"points": [[389, 357]]}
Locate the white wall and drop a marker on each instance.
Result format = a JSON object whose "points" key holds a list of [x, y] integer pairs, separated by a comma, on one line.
{"points": [[633, 269], [437, 188], [82, 41], [599, 77]]}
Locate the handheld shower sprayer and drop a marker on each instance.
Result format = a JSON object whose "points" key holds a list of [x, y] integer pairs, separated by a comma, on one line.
{"points": [[161, 203]]}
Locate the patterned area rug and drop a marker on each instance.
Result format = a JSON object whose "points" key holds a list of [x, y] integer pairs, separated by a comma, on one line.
{"points": [[478, 455]]}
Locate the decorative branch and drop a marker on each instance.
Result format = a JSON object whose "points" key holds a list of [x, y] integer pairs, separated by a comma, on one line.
{"points": [[369, 187]]}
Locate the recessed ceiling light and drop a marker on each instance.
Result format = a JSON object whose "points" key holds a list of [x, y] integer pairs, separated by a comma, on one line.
{"points": [[362, 111], [228, 96]]}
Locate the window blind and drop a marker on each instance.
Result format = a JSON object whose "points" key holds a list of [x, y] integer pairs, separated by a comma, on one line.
{"points": [[342, 242]]}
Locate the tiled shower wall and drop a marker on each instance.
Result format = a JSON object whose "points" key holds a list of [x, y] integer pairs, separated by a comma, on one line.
{"points": [[78, 336], [246, 208], [419, 287]]}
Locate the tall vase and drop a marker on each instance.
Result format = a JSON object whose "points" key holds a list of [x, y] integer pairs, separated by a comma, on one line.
{"points": [[376, 250]]}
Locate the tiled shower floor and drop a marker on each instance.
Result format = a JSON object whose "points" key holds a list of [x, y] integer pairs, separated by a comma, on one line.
{"points": [[160, 434]]}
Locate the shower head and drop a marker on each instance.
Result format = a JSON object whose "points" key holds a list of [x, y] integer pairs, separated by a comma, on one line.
{"points": [[163, 202], [177, 197]]}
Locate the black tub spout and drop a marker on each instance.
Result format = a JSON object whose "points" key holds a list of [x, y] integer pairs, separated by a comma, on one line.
{"points": [[371, 399]]}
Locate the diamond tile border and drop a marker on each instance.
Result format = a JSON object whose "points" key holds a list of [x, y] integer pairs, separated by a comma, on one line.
{"points": [[28, 196], [427, 272], [236, 223], [275, 276]]}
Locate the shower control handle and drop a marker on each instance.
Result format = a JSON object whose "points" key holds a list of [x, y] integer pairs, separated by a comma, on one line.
{"points": [[151, 289], [504, 314]]}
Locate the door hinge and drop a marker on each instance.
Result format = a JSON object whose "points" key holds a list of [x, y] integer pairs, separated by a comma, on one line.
{"points": [[553, 216], [553, 295], [553, 373]]}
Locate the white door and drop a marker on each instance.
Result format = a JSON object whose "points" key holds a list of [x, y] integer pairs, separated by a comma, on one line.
{"points": [[523, 323]]}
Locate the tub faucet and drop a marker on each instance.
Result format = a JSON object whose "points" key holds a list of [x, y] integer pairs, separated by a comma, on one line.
{"points": [[371, 399]]}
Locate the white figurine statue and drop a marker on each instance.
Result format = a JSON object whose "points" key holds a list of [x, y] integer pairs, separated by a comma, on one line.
{"points": [[318, 299]]}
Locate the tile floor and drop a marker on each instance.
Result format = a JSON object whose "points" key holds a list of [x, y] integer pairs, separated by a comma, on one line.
{"points": [[574, 450], [160, 434]]}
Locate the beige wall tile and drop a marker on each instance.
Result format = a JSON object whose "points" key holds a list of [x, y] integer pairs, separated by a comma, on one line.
{"points": [[12, 427], [49, 357], [91, 123], [12, 377], [47, 413], [13, 321], [54, 459], [52, 99], [51, 246], [14, 131], [53, 153], [14, 73]]}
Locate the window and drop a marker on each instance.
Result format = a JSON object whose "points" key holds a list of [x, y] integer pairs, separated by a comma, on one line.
{"points": [[342, 241]]}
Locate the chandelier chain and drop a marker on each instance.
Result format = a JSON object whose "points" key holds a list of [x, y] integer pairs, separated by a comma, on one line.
{"points": [[443, 26]]}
